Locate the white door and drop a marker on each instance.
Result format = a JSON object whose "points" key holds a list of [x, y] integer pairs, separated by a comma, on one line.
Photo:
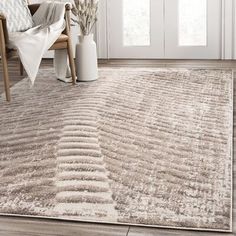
{"points": [[172, 29], [135, 28], [193, 29]]}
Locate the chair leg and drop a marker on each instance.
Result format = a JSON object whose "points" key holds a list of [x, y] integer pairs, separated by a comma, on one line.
{"points": [[71, 60], [4, 63], [21, 69], [6, 77]]}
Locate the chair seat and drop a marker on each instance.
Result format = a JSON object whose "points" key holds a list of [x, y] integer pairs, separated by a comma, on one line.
{"points": [[62, 38], [61, 42]]}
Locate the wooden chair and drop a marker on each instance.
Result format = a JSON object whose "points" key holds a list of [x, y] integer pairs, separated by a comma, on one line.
{"points": [[63, 42]]}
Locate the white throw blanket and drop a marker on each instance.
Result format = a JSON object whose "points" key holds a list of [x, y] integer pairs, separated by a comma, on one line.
{"points": [[33, 43]]}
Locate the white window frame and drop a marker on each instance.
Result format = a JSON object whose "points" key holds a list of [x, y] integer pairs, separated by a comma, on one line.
{"points": [[228, 51]]}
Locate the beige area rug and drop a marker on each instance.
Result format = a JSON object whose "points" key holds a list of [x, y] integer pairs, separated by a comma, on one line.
{"points": [[139, 146]]}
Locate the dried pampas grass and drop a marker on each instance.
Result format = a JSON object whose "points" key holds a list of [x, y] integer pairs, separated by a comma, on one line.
{"points": [[86, 14]]}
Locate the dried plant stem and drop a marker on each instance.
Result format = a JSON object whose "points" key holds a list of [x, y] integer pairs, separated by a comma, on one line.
{"points": [[86, 14]]}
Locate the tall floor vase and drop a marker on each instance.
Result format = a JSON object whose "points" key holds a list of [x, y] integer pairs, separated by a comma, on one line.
{"points": [[86, 59]]}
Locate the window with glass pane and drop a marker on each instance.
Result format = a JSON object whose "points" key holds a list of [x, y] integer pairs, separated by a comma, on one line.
{"points": [[136, 22], [192, 22]]}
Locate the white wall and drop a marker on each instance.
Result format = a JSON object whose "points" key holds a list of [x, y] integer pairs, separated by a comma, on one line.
{"points": [[228, 32], [35, 1]]}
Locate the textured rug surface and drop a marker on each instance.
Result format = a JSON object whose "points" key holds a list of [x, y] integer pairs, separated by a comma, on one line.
{"points": [[138, 146]]}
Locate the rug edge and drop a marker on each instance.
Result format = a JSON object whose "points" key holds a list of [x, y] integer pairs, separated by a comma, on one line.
{"points": [[66, 220]]}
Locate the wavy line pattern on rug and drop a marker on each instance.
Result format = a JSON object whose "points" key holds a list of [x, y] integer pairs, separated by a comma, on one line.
{"points": [[138, 146], [82, 179]]}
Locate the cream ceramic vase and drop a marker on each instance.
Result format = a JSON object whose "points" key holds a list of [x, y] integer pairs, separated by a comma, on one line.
{"points": [[86, 59]]}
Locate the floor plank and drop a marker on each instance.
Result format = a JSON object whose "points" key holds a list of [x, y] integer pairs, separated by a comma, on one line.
{"points": [[31, 227], [138, 231], [20, 227]]}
